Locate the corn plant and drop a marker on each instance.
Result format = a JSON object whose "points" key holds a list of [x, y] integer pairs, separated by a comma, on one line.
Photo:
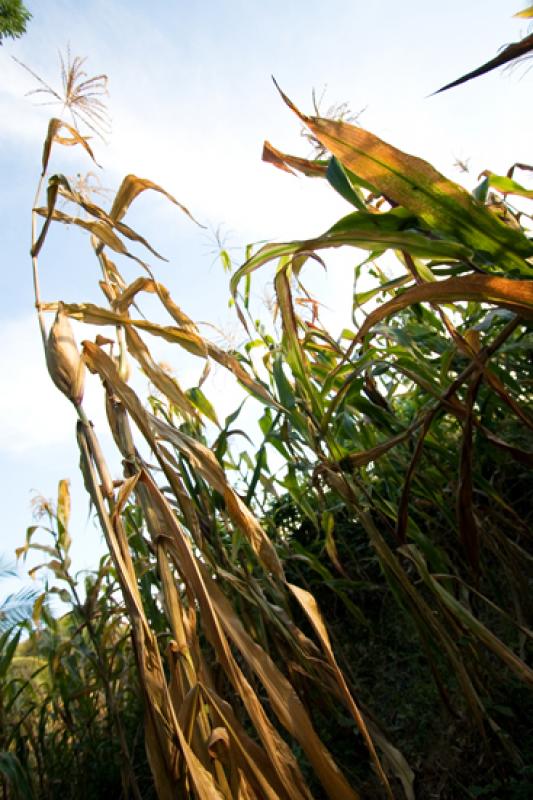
{"points": [[212, 557], [74, 671]]}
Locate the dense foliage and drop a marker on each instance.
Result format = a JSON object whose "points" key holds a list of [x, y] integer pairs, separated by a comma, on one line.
{"points": [[344, 610], [14, 17]]}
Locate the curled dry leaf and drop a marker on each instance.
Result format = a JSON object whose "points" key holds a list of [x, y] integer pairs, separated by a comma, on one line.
{"points": [[131, 187], [516, 295], [54, 126], [287, 163]]}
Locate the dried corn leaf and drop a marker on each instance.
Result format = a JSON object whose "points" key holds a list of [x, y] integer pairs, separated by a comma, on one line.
{"points": [[313, 169], [516, 295], [166, 384], [279, 754], [246, 753], [258, 390], [160, 721], [51, 197], [283, 698], [54, 126], [205, 463], [128, 295], [96, 315], [61, 184], [130, 188], [526, 13], [99, 228]]}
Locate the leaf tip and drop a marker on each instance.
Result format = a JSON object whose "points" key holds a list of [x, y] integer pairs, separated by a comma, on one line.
{"points": [[288, 102]]}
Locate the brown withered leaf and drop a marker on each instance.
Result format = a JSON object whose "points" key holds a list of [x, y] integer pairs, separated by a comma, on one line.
{"points": [[160, 723], [278, 752], [163, 731], [96, 315], [78, 198], [204, 461], [51, 196], [233, 365], [166, 384], [246, 753], [516, 295], [54, 126], [98, 228], [313, 169], [283, 698], [201, 457], [127, 296], [130, 188]]}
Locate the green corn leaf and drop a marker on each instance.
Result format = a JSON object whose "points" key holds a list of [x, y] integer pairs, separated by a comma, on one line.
{"points": [[336, 175], [507, 185]]}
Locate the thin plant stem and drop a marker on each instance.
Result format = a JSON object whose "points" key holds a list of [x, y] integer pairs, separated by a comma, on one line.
{"points": [[35, 264]]}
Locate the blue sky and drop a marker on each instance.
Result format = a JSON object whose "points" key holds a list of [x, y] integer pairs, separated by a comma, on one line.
{"points": [[192, 101]]}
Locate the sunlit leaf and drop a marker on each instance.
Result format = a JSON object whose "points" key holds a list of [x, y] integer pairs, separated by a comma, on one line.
{"points": [[417, 186]]}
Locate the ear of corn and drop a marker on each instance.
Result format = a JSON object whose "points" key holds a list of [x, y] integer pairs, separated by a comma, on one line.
{"points": [[65, 366]]}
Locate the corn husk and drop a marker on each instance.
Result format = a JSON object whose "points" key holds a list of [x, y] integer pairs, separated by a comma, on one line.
{"points": [[63, 360]]}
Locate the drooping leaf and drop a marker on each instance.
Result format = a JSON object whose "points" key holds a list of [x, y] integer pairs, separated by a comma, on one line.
{"points": [[313, 169], [96, 315], [280, 755], [469, 621], [285, 701], [516, 295], [507, 185], [130, 188], [365, 238], [98, 228], [54, 126]]}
